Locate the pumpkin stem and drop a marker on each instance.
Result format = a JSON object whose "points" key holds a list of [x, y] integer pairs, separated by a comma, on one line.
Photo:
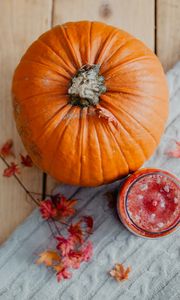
{"points": [[86, 86]]}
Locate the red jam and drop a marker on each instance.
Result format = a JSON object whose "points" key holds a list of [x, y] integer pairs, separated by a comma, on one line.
{"points": [[149, 203]]}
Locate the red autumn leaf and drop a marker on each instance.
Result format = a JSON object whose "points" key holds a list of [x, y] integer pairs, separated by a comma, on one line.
{"points": [[26, 161], [11, 170], [48, 258], [65, 245], [73, 259], [120, 273], [6, 149], [174, 153], [76, 232], [87, 251], [47, 209], [62, 272], [65, 207], [88, 220]]}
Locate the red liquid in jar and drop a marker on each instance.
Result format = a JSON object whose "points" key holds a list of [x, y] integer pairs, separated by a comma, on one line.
{"points": [[149, 203]]}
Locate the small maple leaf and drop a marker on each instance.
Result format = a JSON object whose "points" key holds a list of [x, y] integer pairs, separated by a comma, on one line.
{"points": [[11, 170], [76, 232], [48, 258], [66, 207], [174, 153], [47, 209], [88, 220], [26, 161], [120, 273], [65, 245], [62, 272], [73, 259], [87, 251], [6, 149]]}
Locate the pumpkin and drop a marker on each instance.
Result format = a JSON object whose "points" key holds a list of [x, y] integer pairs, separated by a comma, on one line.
{"points": [[90, 102]]}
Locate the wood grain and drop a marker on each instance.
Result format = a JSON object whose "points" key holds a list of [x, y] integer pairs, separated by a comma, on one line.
{"points": [[136, 17], [22, 21], [168, 32]]}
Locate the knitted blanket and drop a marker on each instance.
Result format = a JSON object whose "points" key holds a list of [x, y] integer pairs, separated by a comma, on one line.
{"points": [[155, 263]]}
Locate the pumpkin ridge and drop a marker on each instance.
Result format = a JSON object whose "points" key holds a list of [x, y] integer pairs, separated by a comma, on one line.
{"points": [[46, 124], [142, 126], [65, 64], [72, 50], [134, 101], [38, 78], [115, 52], [99, 148], [53, 157], [118, 146], [120, 66], [81, 130], [132, 137], [22, 101], [104, 47], [45, 65], [145, 104]]}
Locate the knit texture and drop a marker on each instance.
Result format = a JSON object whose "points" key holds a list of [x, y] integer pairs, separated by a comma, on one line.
{"points": [[155, 263]]}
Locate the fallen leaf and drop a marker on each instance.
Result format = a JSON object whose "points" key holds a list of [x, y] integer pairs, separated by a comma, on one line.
{"points": [[73, 259], [62, 272], [26, 161], [87, 251], [120, 273], [48, 258], [65, 245], [174, 153], [65, 207], [6, 149], [47, 209], [11, 170], [76, 232]]}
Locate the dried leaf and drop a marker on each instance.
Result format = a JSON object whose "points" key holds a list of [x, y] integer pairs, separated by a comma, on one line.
{"points": [[120, 273], [65, 245], [174, 153], [48, 258], [62, 272], [76, 232], [26, 161], [73, 259], [107, 115], [87, 251], [6, 149], [65, 207], [11, 170], [47, 209]]}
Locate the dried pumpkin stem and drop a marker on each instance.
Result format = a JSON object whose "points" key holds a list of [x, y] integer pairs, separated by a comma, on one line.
{"points": [[86, 86]]}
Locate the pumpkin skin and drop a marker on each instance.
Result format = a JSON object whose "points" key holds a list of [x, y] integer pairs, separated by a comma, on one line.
{"points": [[72, 143]]}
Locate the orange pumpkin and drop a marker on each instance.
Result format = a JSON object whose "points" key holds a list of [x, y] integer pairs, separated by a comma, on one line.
{"points": [[90, 102]]}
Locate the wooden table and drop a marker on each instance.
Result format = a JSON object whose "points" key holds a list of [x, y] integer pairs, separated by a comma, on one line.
{"points": [[156, 22]]}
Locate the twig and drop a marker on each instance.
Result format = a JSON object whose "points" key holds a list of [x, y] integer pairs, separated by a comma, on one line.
{"points": [[26, 190], [21, 184]]}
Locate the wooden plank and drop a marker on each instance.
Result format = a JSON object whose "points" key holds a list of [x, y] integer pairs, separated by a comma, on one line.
{"points": [[22, 21], [136, 17], [168, 37]]}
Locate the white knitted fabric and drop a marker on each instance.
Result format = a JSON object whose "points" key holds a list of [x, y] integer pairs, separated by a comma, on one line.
{"points": [[155, 263]]}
